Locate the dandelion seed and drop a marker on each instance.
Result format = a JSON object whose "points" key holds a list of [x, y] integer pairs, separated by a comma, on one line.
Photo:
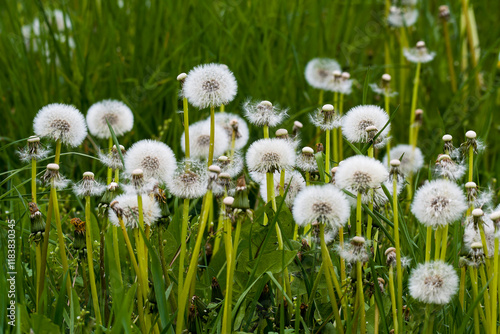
{"points": [[306, 161], [270, 155], [88, 186], [126, 207], [189, 182], [294, 183], [33, 150], [360, 173], [318, 72], [199, 140], [419, 54], [323, 204], [354, 251], [325, 118], [355, 122], [52, 177], [209, 85], [264, 113], [402, 16], [60, 122], [116, 113], [433, 282], [234, 123], [155, 158], [112, 159], [438, 203]]}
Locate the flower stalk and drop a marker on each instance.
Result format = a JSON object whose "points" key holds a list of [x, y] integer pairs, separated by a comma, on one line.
{"points": [[90, 258]]}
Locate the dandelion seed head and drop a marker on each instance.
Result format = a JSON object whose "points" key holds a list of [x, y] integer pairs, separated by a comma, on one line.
{"points": [[88, 186], [234, 123], [438, 203], [33, 150], [354, 250], [402, 16], [60, 122], [112, 159], [155, 158], [209, 85], [270, 155], [306, 161], [433, 282], [53, 178], [117, 113], [325, 118], [355, 122], [264, 113], [190, 180], [322, 204], [319, 71], [126, 206], [360, 173], [419, 54]]}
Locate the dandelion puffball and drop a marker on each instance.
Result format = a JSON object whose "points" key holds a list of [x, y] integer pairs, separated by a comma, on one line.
{"points": [[438, 203], [209, 85], [264, 113], [319, 71], [323, 204], [400, 17], [358, 119], [117, 113], [199, 140], [190, 180], [270, 155], [61, 122], [419, 54], [433, 282], [128, 208], [412, 159], [360, 173], [155, 158]]}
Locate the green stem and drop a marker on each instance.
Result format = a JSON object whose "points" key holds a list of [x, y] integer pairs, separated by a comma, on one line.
{"points": [[339, 129], [282, 183], [444, 243], [361, 296], [429, 324], [186, 127], [90, 258], [110, 170], [226, 319], [58, 151], [171, 298], [461, 293], [399, 270], [327, 156], [387, 106], [358, 215], [60, 237], [428, 244], [116, 251], [321, 94], [266, 131], [212, 136], [494, 286], [486, 296], [45, 247], [335, 140], [141, 249], [437, 239], [333, 300], [182, 255], [471, 162], [183, 298], [414, 100], [33, 180], [449, 55], [393, 299]]}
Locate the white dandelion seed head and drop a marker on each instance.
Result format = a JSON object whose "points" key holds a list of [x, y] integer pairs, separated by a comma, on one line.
{"points": [[402, 16], [199, 140], [232, 166], [127, 206], [438, 203], [325, 118], [88, 186], [419, 54], [155, 158], [60, 122], [209, 85], [412, 160], [190, 180], [270, 155], [117, 113], [447, 168], [112, 159], [306, 161], [319, 71], [322, 204], [355, 122], [234, 123], [354, 250], [434, 282], [264, 113], [294, 183], [472, 234], [33, 150], [53, 178], [360, 173], [340, 83]]}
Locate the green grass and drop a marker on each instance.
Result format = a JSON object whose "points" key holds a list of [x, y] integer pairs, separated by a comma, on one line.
{"points": [[134, 53]]}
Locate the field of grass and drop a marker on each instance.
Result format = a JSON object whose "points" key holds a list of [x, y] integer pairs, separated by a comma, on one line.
{"points": [[132, 51]]}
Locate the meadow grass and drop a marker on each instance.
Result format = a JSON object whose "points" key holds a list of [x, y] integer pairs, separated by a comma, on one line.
{"points": [[133, 52]]}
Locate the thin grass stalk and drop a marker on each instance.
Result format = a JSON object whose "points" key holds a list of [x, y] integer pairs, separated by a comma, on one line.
{"points": [[486, 295], [171, 297], [90, 258], [414, 99], [333, 300], [182, 255], [399, 270], [449, 55], [393, 299], [183, 299], [470, 39]]}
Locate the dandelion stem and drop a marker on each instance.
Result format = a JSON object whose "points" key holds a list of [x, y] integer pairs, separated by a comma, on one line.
{"points": [[58, 151], [33, 180], [429, 324], [45, 247], [38, 266], [226, 319], [142, 255], [282, 183], [60, 237], [327, 156], [308, 177], [183, 298], [393, 299], [335, 137], [437, 239], [90, 258], [182, 255], [387, 100], [110, 170], [461, 293], [116, 251], [444, 242], [486, 296], [399, 270], [212, 135], [326, 257], [414, 101], [321, 94], [449, 55], [494, 286], [171, 297], [186, 127], [361, 296], [471, 163], [358, 214], [339, 129], [470, 38], [428, 244], [266, 131]]}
